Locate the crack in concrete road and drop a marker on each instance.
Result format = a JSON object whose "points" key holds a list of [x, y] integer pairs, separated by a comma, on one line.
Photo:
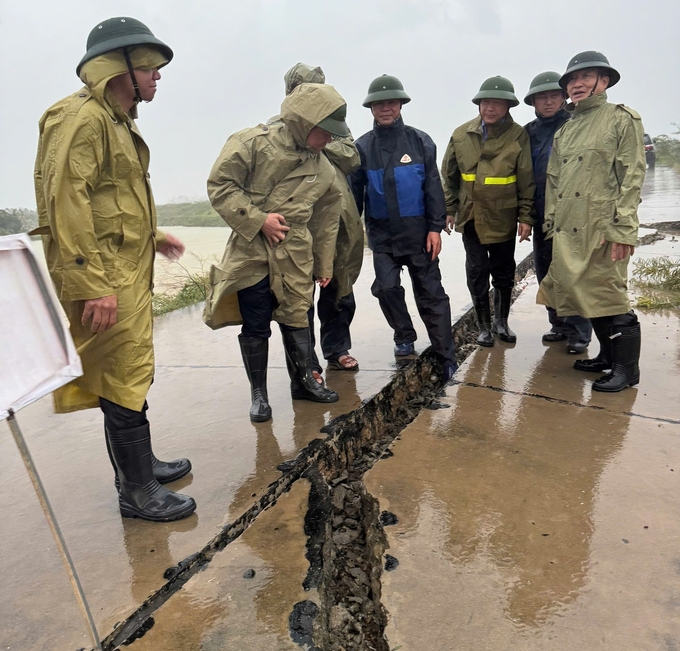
{"points": [[350, 611], [571, 403]]}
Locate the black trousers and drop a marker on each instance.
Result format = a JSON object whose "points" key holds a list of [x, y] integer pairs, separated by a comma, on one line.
{"points": [[482, 260], [118, 418], [575, 327], [431, 299], [257, 304], [335, 317]]}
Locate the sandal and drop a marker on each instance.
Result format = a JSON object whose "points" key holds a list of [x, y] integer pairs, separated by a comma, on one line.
{"points": [[343, 363], [317, 377]]}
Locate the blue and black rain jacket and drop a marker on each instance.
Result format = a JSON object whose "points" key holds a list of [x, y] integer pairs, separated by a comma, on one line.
{"points": [[398, 188]]}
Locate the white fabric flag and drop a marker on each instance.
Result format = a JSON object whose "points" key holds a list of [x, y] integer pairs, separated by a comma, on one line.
{"points": [[37, 354]]}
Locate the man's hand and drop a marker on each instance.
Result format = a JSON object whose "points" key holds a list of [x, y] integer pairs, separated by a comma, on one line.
{"points": [[524, 232], [324, 282], [450, 223], [103, 312], [621, 251], [274, 228], [434, 244], [171, 248]]}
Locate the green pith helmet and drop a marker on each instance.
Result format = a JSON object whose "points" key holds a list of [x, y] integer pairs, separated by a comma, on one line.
{"points": [[118, 32], [548, 80], [385, 87], [590, 59], [335, 123], [496, 88]]}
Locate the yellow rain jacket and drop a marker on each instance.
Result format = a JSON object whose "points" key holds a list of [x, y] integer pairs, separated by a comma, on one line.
{"points": [[98, 222], [491, 181], [268, 169], [595, 176]]}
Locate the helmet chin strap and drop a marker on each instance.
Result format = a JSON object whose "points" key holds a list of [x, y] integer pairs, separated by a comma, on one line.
{"points": [[135, 85], [592, 92]]}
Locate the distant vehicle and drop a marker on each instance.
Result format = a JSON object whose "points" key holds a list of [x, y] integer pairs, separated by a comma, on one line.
{"points": [[650, 154]]}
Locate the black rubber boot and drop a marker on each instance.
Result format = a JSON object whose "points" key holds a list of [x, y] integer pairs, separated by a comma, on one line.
{"points": [[255, 352], [163, 471], [140, 495], [603, 360], [625, 350], [303, 384], [501, 304], [483, 312]]}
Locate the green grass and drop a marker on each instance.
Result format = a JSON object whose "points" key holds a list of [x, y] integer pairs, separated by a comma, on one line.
{"points": [[198, 213], [659, 280], [194, 290]]}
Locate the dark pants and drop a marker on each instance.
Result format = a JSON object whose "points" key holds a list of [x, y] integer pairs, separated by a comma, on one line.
{"points": [[335, 317], [577, 328], [482, 260], [257, 304], [431, 299], [117, 418]]}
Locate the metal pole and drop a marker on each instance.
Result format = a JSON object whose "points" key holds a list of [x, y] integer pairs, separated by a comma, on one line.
{"points": [[54, 526]]}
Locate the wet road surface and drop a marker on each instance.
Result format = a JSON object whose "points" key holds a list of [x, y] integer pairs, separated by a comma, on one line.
{"points": [[463, 482]]}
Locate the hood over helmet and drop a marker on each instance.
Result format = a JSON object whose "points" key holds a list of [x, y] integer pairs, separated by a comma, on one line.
{"points": [[97, 72], [308, 105], [301, 73]]}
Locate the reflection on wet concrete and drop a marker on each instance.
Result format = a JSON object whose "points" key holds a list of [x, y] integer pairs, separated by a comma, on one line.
{"points": [[505, 507]]}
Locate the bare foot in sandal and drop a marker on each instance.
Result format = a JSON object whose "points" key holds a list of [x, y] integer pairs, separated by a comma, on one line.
{"points": [[317, 377], [344, 363]]}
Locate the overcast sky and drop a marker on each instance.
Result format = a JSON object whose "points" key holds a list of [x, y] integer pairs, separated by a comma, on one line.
{"points": [[230, 58]]}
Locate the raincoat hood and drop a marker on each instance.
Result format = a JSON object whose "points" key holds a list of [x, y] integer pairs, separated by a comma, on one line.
{"points": [[301, 73], [307, 106], [98, 72]]}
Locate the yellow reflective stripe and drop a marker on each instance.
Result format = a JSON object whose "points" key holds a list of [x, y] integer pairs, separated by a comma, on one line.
{"points": [[500, 180], [469, 177]]}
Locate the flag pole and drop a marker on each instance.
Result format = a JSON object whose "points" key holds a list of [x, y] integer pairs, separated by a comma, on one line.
{"points": [[54, 526]]}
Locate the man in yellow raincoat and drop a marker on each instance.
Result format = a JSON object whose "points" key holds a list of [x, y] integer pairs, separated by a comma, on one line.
{"points": [[98, 222], [279, 194], [594, 180], [336, 305], [489, 188]]}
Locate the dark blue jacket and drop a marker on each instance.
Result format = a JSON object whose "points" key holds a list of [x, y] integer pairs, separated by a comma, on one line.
{"points": [[541, 132], [398, 188]]}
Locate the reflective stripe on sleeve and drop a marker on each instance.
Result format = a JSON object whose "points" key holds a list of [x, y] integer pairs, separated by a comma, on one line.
{"points": [[490, 180]]}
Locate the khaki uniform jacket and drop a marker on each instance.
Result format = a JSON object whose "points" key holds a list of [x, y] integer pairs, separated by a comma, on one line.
{"points": [[490, 182], [98, 221], [595, 176], [268, 169]]}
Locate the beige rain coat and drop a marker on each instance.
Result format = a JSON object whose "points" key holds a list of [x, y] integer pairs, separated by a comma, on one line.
{"points": [[268, 169], [490, 182], [98, 222], [343, 154], [595, 175]]}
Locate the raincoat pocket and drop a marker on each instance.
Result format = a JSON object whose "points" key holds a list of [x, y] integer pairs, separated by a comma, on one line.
{"points": [[131, 247]]}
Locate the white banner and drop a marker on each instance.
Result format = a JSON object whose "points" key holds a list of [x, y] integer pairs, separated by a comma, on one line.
{"points": [[37, 354]]}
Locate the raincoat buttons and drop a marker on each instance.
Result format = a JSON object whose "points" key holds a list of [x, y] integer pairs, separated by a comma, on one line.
{"points": [[565, 160], [577, 194], [576, 230], [580, 158], [82, 95], [80, 261], [559, 196], [616, 220], [241, 212], [558, 229], [290, 198]]}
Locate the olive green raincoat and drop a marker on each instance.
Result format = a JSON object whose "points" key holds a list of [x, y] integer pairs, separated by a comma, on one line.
{"points": [[595, 175], [490, 182], [98, 222], [268, 169], [343, 154]]}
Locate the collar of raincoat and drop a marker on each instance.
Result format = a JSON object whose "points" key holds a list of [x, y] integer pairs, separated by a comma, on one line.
{"points": [[306, 106], [301, 73], [589, 103], [98, 72]]}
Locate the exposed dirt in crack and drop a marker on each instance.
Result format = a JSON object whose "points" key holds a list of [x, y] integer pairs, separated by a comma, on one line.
{"points": [[346, 542]]}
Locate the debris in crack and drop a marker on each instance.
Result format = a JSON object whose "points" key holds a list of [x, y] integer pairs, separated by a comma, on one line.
{"points": [[146, 626], [301, 624], [435, 404], [318, 513], [391, 563], [249, 574], [388, 519]]}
